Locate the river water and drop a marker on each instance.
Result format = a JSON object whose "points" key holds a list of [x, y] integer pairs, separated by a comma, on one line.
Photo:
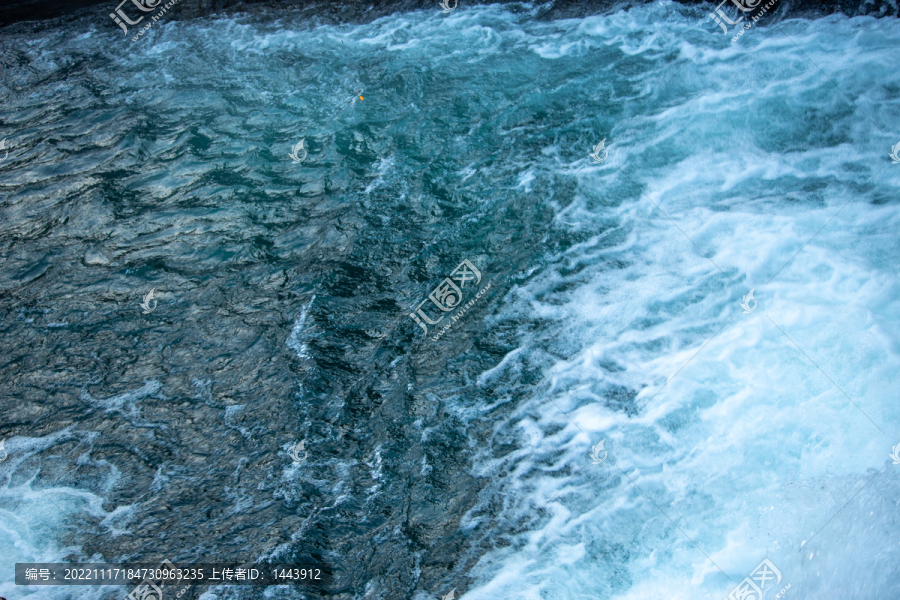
{"points": [[607, 305]]}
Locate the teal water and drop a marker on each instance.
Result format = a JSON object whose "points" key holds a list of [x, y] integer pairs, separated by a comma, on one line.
{"points": [[614, 314]]}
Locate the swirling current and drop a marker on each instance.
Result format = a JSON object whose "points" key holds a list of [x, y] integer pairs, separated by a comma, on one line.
{"points": [[656, 367]]}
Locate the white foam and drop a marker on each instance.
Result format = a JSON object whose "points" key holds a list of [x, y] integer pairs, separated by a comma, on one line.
{"points": [[35, 515], [295, 340], [747, 446]]}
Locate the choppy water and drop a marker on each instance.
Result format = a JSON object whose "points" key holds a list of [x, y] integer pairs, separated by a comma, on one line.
{"points": [[284, 291]]}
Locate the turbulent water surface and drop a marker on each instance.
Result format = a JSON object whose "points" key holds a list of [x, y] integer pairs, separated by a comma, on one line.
{"points": [[283, 292]]}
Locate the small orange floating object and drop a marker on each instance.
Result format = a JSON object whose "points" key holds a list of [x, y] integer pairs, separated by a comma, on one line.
{"points": [[360, 97]]}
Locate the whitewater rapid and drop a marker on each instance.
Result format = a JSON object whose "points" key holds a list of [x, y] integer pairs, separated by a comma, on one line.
{"points": [[733, 436]]}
